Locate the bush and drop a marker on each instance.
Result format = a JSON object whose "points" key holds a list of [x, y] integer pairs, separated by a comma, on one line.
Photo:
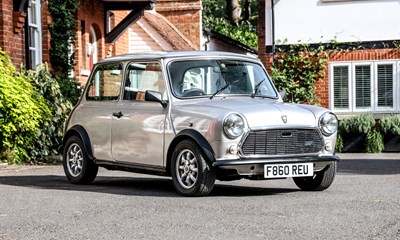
{"points": [[22, 112], [374, 141], [391, 124], [50, 135], [69, 88], [364, 124], [32, 114]]}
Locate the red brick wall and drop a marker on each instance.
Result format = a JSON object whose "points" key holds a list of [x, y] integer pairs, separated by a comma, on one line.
{"points": [[262, 50], [185, 15], [122, 44], [357, 55], [12, 42], [90, 14], [46, 20]]}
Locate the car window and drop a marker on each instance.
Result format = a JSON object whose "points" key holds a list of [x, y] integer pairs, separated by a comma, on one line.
{"points": [[141, 77], [105, 83], [206, 77]]}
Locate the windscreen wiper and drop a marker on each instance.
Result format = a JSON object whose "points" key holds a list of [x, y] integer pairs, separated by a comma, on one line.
{"points": [[256, 88], [223, 88]]}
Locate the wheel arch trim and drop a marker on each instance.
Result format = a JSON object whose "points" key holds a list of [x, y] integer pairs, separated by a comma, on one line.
{"points": [[199, 139], [80, 131]]}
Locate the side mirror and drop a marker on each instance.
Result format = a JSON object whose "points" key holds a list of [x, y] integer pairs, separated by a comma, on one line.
{"points": [[154, 96], [283, 95]]}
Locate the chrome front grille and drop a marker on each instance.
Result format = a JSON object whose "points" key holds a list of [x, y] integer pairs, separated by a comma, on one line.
{"points": [[282, 142]]}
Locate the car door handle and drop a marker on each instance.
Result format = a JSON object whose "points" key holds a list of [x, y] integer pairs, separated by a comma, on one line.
{"points": [[118, 114]]}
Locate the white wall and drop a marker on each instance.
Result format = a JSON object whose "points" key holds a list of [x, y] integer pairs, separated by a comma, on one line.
{"points": [[315, 21]]}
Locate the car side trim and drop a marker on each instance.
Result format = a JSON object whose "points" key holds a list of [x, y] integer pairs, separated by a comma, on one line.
{"points": [[132, 167]]}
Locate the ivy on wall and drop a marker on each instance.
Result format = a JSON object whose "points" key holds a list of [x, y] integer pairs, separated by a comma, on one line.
{"points": [[63, 35], [297, 69]]}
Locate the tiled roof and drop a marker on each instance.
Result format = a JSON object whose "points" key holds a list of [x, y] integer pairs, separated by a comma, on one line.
{"points": [[168, 31]]}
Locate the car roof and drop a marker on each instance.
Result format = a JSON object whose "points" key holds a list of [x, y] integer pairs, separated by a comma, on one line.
{"points": [[173, 54]]}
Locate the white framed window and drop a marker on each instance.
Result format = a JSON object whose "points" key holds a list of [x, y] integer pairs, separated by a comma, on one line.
{"points": [[364, 86], [34, 34]]}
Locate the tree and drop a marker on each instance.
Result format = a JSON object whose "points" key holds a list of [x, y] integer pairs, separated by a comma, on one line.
{"points": [[233, 10], [236, 19]]}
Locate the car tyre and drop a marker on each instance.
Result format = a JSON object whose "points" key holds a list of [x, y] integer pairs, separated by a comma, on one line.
{"points": [[78, 167], [320, 181], [192, 175]]}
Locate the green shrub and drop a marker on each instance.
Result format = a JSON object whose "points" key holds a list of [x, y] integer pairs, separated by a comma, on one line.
{"points": [[374, 141], [50, 134], [339, 143], [364, 123], [22, 112], [69, 88], [32, 114], [391, 124]]}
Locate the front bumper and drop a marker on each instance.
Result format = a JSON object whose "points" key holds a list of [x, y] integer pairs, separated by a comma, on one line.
{"points": [[252, 167], [278, 160]]}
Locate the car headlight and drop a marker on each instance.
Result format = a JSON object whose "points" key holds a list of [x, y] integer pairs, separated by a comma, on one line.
{"points": [[233, 125], [328, 123]]}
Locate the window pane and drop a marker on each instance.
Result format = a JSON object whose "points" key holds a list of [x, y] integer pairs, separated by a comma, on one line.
{"points": [[32, 16], [142, 77], [363, 86], [105, 83], [341, 87], [385, 85], [32, 37]]}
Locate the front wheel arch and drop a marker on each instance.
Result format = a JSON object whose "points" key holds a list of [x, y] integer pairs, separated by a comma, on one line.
{"points": [[190, 134], [191, 174]]}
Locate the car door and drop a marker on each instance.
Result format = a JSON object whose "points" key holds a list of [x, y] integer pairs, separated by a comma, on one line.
{"points": [[138, 126], [95, 110]]}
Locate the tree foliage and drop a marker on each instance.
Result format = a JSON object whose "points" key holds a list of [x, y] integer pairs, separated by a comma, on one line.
{"points": [[227, 18]]}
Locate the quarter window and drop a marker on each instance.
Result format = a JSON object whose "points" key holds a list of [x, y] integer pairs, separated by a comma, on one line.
{"points": [[364, 86], [104, 84]]}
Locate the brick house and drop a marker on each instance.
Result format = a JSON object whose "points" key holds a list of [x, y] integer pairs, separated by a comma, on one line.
{"points": [[105, 28], [365, 79]]}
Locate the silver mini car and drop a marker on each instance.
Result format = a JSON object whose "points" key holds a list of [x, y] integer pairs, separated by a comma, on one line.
{"points": [[197, 117]]}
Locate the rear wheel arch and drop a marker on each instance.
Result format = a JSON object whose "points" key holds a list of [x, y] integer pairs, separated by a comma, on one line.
{"points": [[80, 132], [190, 134]]}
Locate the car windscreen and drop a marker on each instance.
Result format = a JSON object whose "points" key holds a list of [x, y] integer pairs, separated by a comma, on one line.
{"points": [[207, 78]]}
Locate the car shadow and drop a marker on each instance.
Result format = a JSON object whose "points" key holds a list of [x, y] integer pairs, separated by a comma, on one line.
{"points": [[134, 186], [369, 166]]}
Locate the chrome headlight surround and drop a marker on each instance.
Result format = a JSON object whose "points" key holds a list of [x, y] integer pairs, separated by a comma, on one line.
{"points": [[328, 123], [233, 125]]}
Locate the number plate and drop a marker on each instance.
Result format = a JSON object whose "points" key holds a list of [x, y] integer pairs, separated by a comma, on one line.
{"points": [[288, 170]]}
